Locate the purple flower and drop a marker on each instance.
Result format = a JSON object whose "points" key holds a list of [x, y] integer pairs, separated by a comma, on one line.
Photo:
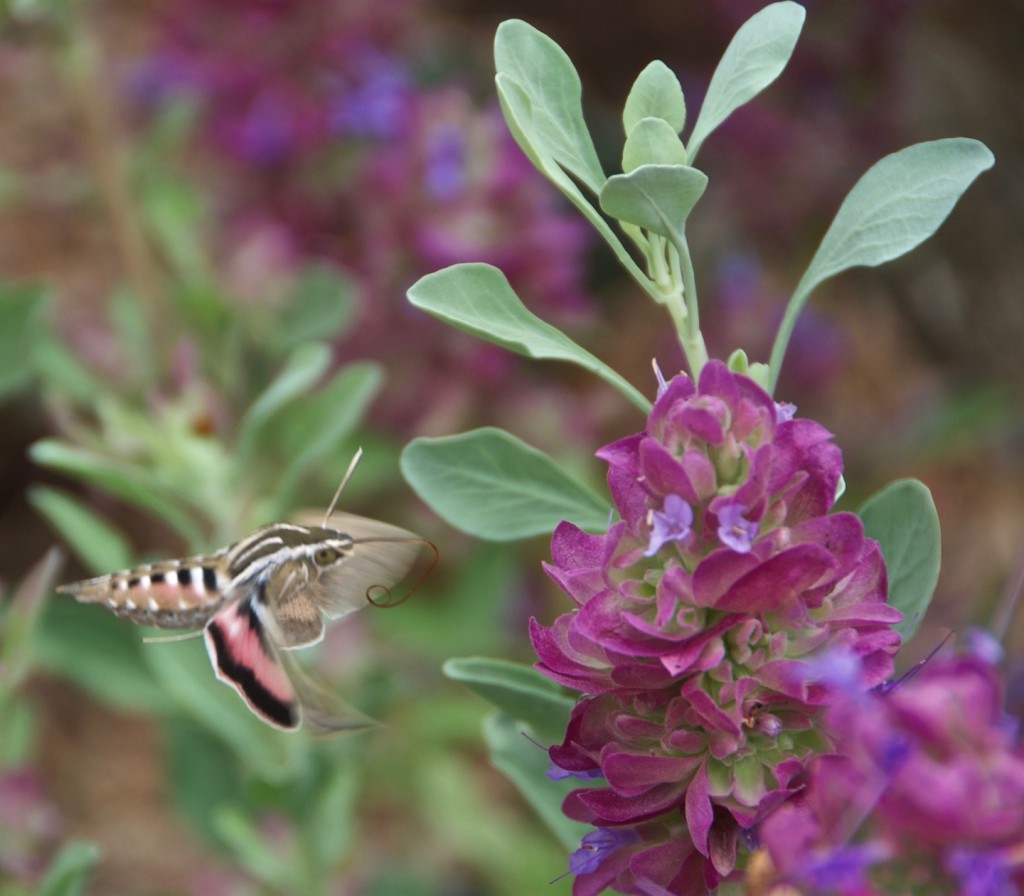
{"points": [[928, 774], [596, 846], [734, 530], [698, 616], [671, 523]]}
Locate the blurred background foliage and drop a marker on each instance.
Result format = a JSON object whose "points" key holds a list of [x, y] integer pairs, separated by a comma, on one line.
{"points": [[210, 215]]}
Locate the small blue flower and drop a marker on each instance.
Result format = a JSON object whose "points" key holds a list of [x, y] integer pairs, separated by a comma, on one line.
{"points": [[596, 846], [980, 872], [671, 523], [734, 530], [555, 773]]}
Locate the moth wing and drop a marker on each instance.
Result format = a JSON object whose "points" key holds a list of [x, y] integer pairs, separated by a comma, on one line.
{"points": [[243, 657], [323, 711], [381, 556], [297, 620]]}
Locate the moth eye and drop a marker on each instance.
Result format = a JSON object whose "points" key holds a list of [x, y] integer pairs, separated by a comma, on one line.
{"points": [[325, 556]]}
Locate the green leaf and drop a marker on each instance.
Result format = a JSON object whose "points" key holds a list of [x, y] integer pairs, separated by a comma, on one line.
{"points": [[303, 369], [754, 58], [490, 484], [21, 308], [478, 299], [524, 764], [519, 691], [329, 824], [655, 94], [652, 142], [183, 672], [134, 484], [517, 109], [251, 849], [903, 519], [99, 653], [100, 547], [548, 77], [898, 203], [70, 870], [320, 308], [658, 198], [320, 425]]}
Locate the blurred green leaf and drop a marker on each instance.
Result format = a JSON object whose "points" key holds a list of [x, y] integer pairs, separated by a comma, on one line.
{"points": [[21, 308], [317, 427], [63, 373], [525, 765], [247, 843], [898, 203], [456, 620], [100, 547], [70, 870], [131, 332], [184, 673], [555, 124], [652, 142], [206, 774], [320, 308], [99, 653], [478, 299], [328, 825], [655, 94], [136, 485], [177, 213], [519, 691], [658, 198], [902, 518], [301, 371], [754, 58], [488, 483]]}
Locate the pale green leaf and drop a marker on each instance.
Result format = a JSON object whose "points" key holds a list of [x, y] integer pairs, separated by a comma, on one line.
{"points": [[903, 520], [658, 198], [897, 204], [652, 141], [134, 484], [655, 94], [478, 299], [547, 75], [525, 765], [519, 691], [70, 871], [21, 308], [492, 485], [98, 544], [754, 58], [516, 107]]}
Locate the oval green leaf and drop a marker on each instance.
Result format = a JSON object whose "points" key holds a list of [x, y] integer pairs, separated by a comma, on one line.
{"points": [[652, 142], [478, 299], [548, 77], [655, 94], [488, 483], [518, 690], [754, 58], [658, 198], [69, 873], [98, 544], [897, 204], [903, 520]]}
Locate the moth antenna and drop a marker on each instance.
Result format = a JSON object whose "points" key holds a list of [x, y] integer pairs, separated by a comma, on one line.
{"points": [[344, 481], [388, 601], [167, 639]]}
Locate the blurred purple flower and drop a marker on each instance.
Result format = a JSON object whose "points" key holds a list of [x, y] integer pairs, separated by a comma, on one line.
{"points": [[29, 826], [929, 773], [694, 655]]}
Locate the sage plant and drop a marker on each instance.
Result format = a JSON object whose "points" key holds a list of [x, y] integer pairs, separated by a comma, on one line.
{"points": [[697, 740]]}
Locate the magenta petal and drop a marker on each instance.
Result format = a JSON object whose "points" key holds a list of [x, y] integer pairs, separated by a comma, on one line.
{"points": [[699, 813], [663, 472], [778, 580], [610, 808], [631, 774]]}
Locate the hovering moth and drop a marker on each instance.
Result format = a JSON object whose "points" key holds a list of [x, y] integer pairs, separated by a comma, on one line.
{"points": [[264, 596]]}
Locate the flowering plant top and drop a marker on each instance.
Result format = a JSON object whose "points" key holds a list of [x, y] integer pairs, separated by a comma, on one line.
{"points": [[707, 608]]}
